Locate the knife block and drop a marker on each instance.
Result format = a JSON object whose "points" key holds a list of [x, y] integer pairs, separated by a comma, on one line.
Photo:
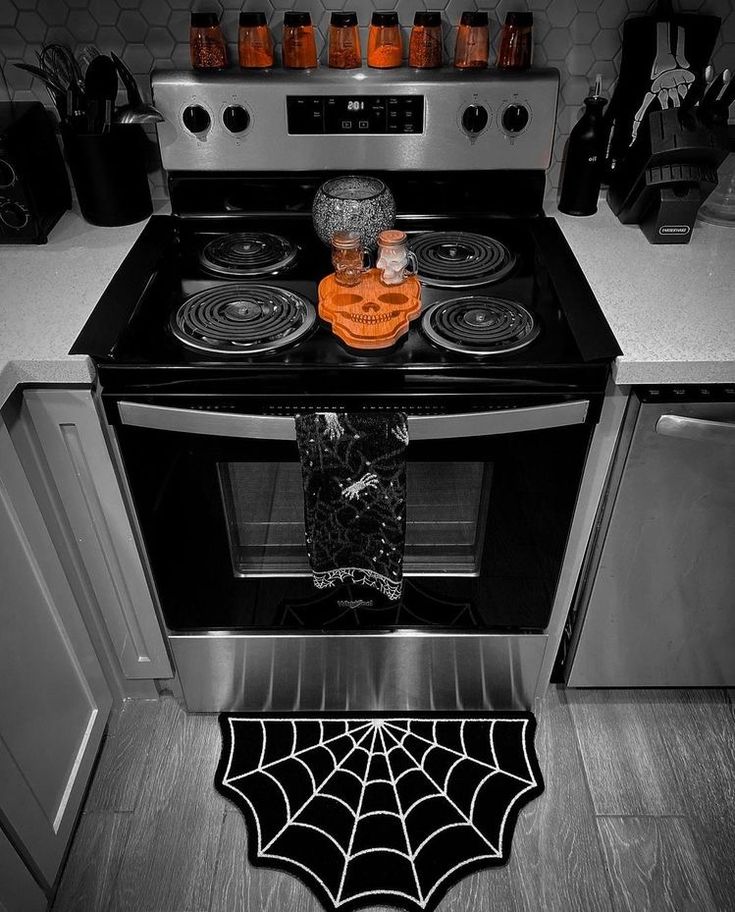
{"points": [[667, 175]]}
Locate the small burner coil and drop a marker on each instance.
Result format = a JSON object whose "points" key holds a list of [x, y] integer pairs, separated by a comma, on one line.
{"points": [[240, 319], [479, 325], [247, 253], [460, 259]]}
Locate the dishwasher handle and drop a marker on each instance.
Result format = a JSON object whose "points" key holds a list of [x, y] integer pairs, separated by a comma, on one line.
{"points": [[696, 429], [420, 427]]}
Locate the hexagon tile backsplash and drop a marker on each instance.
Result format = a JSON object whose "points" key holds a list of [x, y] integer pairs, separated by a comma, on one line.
{"points": [[579, 37]]}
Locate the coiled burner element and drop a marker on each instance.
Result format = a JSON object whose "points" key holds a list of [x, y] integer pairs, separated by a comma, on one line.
{"points": [[247, 253], [240, 319], [460, 259], [479, 325]]}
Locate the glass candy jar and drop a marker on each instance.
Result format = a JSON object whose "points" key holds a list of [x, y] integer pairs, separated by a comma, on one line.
{"points": [[353, 202]]}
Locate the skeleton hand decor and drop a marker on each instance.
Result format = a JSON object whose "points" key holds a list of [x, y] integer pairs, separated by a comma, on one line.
{"points": [[671, 76]]}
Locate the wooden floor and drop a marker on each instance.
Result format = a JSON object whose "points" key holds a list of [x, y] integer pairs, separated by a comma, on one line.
{"points": [[638, 815]]}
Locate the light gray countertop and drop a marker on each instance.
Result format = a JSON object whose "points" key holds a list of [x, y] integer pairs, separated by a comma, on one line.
{"points": [[671, 307], [47, 292]]}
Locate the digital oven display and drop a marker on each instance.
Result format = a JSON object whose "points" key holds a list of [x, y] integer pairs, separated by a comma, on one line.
{"points": [[350, 114]]}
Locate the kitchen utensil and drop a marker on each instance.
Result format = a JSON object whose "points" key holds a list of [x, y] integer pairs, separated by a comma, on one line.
{"points": [[47, 78], [100, 83], [697, 90], [136, 110], [713, 90], [353, 203], [719, 207]]}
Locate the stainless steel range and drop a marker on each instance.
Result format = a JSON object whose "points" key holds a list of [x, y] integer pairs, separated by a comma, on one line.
{"points": [[207, 343]]}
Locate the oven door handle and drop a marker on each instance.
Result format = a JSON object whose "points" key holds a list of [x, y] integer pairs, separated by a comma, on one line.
{"points": [[420, 427]]}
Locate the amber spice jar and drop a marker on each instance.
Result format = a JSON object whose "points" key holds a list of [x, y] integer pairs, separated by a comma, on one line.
{"points": [[473, 41], [344, 41], [516, 43], [385, 46], [206, 44], [254, 42], [299, 45], [425, 45]]}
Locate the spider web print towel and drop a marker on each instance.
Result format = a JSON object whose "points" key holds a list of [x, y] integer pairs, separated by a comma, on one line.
{"points": [[354, 472], [367, 810]]}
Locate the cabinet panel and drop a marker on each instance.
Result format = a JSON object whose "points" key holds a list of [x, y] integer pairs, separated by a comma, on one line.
{"points": [[19, 892], [55, 701], [661, 609], [68, 428]]}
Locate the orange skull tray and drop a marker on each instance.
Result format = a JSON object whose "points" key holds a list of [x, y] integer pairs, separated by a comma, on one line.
{"points": [[369, 314]]}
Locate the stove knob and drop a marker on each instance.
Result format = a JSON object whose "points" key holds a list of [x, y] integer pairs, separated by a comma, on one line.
{"points": [[196, 119], [14, 215], [474, 119], [236, 119], [515, 118]]}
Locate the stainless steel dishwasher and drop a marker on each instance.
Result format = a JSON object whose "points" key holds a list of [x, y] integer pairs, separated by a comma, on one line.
{"points": [[656, 607]]}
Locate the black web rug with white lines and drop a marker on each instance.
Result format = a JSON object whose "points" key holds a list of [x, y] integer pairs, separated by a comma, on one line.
{"points": [[390, 808]]}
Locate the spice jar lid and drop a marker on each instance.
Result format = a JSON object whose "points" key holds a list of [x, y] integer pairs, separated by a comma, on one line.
{"points": [[296, 18], [346, 240], [474, 18], [384, 18], [521, 19], [204, 20], [252, 20], [343, 19], [428, 18], [393, 237]]}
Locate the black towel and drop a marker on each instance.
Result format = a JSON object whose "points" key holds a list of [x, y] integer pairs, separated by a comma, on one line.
{"points": [[354, 471]]}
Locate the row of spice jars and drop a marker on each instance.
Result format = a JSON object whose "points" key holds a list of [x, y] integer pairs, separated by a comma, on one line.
{"points": [[385, 44]]}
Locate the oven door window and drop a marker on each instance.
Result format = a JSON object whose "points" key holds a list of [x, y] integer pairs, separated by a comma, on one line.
{"points": [[223, 526], [446, 511]]}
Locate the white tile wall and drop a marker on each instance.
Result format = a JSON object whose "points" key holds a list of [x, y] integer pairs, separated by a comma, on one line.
{"points": [[579, 37]]}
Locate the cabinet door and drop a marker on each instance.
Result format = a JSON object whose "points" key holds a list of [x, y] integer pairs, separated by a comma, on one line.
{"points": [[54, 700], [19, 892], [661, 610], [69, 430]]}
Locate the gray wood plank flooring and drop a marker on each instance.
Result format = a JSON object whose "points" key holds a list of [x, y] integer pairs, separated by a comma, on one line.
{"points": [[638, 816]]}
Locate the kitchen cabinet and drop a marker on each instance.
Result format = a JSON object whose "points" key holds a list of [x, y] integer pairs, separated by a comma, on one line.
{"points": [[55, 700], [658, 607], [78, 463], [19, 892]]}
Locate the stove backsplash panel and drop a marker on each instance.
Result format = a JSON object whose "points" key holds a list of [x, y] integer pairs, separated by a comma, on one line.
{"points": [[579, 37]]}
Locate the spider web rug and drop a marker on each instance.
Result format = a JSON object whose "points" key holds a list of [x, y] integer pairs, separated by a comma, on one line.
{"points": [[368, 809]]}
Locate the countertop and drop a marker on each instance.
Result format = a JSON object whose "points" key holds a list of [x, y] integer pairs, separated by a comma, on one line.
{"points": [[671, 307], [47, 291]]}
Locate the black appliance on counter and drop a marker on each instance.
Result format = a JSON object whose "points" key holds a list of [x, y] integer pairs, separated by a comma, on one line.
{"points": [[34, 186], [207, 343], [668, 174]]}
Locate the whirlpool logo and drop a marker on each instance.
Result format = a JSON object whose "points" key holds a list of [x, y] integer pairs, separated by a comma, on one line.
{"points": [[354, 603], [674, 229]]}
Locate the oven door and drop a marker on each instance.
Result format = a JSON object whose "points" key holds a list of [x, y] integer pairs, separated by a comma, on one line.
{"points": [[490, 498]]}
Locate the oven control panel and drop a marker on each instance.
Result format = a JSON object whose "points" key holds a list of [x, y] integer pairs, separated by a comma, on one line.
{"points": [[360, 114], [322, 119]]}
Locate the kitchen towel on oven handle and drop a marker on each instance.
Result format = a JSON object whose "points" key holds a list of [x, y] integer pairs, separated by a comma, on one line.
{"points": [[354, 473]]}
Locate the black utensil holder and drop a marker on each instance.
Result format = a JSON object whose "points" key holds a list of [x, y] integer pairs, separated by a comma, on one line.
{"points": [[109, 174]]}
